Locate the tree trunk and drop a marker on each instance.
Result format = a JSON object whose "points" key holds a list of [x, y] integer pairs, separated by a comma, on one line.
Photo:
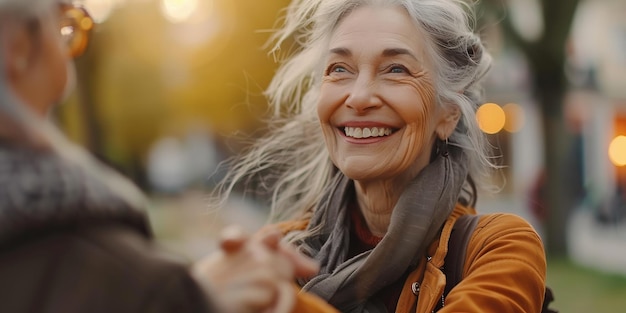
{"points": [[546, 56], [550, 86], [557, 143]]}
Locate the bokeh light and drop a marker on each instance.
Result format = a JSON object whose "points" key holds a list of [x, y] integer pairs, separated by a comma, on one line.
{"points": [[514, 117], [491, 118], [617, 151], [177, 11], [100, 9]]}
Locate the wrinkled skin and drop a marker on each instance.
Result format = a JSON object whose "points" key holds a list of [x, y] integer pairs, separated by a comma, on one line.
{"points": [[378, 75]]}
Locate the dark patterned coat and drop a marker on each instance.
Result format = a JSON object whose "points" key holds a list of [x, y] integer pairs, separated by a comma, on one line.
{"points": [[70, 243]]}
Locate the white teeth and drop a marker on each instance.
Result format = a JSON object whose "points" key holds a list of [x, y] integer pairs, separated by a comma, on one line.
{"points": [[356, 132]]}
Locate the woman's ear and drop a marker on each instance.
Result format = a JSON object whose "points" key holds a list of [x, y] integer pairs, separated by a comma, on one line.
{"points": [[451, 114], [17, 47]]}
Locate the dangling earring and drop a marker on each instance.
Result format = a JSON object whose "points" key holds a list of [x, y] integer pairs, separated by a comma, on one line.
{"points": [[443, 148]]}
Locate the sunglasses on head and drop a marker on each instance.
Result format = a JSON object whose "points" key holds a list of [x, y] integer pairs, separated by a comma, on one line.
{"points": [[75, 27]]}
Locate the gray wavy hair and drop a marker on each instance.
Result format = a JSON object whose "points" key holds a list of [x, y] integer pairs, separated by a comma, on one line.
{"points": [[291, 163], [27, 7]]}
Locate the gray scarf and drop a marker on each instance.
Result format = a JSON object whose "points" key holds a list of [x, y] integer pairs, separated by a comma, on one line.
{"points": [[419, 214]]}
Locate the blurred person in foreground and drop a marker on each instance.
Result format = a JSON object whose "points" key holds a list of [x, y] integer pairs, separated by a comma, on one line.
{"points": [[73, 234], [374, 154]]}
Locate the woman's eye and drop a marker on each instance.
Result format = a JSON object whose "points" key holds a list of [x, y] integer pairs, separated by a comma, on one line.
{"points": [[397, 69], [336, 68]]}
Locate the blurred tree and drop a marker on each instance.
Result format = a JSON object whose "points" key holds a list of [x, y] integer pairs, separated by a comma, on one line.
{"points": [[146, 76], [546, 56]]}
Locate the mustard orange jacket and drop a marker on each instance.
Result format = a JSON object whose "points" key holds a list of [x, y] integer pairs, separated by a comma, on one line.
{"points": [[505, 270]]}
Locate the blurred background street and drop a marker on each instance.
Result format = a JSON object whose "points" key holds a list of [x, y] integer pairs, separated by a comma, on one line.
{"points": [[168, 89]]}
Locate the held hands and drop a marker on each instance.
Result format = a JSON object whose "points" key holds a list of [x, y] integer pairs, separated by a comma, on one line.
{"points": [[253, 274]]}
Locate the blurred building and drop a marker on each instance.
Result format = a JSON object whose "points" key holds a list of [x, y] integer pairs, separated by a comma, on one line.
{"points": [[595, 107], [598, 71]]}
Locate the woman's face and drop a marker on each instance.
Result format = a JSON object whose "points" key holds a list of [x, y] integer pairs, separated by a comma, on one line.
{"points": [[55, 58], [41, 61], [377, 104]]}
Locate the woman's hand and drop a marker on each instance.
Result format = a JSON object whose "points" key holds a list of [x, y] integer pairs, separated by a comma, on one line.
{"points": [[252, 274]]}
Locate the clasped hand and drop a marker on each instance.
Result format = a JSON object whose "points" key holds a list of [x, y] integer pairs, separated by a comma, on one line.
{"points": [[253, 274]]}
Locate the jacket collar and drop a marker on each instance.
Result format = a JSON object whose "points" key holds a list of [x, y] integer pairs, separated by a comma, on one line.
{"points": [[42, 191], [428, 274]]}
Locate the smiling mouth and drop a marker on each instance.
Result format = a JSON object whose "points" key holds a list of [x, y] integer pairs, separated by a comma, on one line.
{"points": [[367, 132]]}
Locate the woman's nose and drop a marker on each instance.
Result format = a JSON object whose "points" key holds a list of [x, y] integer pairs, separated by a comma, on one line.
{"points": [[363, 96]]}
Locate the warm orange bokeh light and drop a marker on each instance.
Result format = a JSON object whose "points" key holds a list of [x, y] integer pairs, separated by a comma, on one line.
{"points": [[514, 117], [617, 151], [491, 118]]}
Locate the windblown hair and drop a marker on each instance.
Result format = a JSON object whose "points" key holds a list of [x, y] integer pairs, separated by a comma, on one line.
{"points": [[291, 162]]}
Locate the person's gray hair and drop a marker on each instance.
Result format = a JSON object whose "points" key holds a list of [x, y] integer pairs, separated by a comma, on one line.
{"points": [[294, 151], [26, 7]]}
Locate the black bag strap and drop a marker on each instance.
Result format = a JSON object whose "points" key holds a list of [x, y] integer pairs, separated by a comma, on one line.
{"points": [[457, 250]]}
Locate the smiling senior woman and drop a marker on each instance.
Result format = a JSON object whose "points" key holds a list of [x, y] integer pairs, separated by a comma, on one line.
{"points": [[74, 235], [373, 156]]}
